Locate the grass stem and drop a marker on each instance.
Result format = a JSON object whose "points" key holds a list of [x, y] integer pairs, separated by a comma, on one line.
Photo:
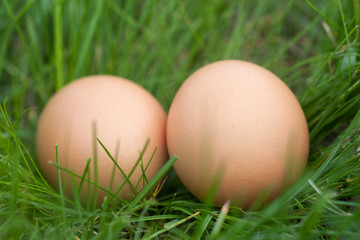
{"points": [[58, 44]]}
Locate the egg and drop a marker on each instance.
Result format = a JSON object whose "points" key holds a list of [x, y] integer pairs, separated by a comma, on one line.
{"points": [[113, 111], [239, 133]]}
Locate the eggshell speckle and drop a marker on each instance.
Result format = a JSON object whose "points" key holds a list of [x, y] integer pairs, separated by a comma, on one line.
{"points": [[237, 128], [121, 114]]}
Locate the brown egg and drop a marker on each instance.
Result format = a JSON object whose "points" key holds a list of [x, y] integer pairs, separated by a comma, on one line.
{"points": [[239, 130], [122, 115]]}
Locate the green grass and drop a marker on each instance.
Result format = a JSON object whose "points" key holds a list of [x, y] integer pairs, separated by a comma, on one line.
{"points": [[314, 46]]}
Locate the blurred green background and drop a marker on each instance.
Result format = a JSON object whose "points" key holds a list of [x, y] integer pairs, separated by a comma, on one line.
{"points": [[313, 46]]}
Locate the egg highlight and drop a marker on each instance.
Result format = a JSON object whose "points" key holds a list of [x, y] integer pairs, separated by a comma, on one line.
{"points": [[239, 132]]}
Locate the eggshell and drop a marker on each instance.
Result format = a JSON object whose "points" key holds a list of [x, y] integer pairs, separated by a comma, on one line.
{"points": [[122, 115], [238, 129]]}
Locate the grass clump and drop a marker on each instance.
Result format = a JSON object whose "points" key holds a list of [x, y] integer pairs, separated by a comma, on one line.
{"points": [[312, 45]]}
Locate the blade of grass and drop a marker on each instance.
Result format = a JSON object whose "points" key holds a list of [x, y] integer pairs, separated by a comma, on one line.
{"points": [[346, 37], [61, 190], [152, 182], [220, 221], [127, 177], [202, 227], [88, 180], [58, 36], [320, 13], [87, 39], [138, 231], [83, 177], [96, 165], [171, 226]]}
